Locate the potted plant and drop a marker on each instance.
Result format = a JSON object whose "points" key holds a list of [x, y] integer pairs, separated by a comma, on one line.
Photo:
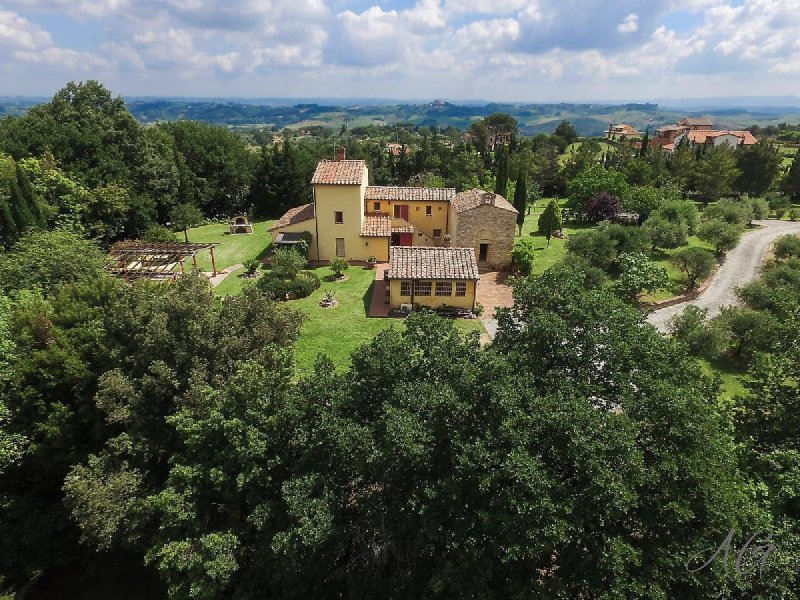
{"points": [[371, 262]]}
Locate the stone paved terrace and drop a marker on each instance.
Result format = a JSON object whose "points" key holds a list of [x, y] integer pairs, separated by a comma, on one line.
{"points": [[379, 306]]}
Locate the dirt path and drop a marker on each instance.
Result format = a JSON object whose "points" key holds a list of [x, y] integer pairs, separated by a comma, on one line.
{"points": [[740, 267], [221, 275]]}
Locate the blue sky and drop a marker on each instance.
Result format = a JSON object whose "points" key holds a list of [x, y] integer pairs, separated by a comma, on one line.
{"points": [[504, 50]]}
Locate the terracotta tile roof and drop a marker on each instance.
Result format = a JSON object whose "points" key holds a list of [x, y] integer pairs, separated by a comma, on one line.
{"points": [[339, 172], [668, 147], [700, 137], [376, 226], [417, 262], [410, 194], [474, 198], [298, 214], [402, 226]]}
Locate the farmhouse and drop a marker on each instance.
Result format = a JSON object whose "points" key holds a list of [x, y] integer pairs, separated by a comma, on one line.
{"points": [[432, 277], [699, 131], [350, 219], [621, 131]]}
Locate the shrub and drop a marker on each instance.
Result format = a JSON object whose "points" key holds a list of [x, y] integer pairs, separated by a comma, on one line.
{"points": [[523, 254], [287, 263], [339, 265], [550, 220], [595, 246], [158, 233], [697, 263], [628, 238], [760, 208], [691, 328], [734, 212], [677, 211], [665, 233], [787, 246], [722, 235], [591, 278], [602, 207], [251, 266], [300, 286], [639, 274], [794, 214]]}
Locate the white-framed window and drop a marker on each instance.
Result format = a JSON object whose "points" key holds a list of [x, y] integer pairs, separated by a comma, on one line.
{"points": [[376, 207], [428, 211], [461, 288], [338, 217], [422, 288], [405, 288], [340, 247], [444, 288]]}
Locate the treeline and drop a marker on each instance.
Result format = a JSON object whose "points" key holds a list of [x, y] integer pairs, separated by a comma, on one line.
{"points": [[150, 432]]}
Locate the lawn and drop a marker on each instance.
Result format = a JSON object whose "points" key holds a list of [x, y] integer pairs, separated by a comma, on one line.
{"points": [[338, 331], [546, 256], [677, 278], [232, 249], [732, 377]]}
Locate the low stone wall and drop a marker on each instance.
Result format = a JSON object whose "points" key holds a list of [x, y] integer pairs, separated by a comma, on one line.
{"points": [[691, 295]]}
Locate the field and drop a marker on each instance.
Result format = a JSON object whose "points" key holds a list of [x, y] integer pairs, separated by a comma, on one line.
{"points": [[232, 249]]}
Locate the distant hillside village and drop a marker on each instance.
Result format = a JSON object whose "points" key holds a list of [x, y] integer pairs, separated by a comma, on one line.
{"points": [[698, 131]]}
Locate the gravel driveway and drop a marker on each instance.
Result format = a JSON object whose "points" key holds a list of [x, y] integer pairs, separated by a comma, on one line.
{"points": [[740, 267]]}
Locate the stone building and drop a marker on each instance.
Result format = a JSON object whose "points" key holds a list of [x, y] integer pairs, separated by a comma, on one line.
{"points": [[486, 222]]}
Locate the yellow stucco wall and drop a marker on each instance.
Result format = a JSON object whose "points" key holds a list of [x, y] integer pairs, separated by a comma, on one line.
{"points": [[432, 301], [416, 214], [377, 247], [349, 199], [308, 226]]}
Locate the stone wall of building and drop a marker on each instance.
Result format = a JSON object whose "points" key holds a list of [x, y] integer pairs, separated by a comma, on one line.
{"points": [[486, 225]]}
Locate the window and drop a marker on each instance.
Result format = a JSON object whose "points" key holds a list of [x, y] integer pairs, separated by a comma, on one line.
{"points": [[405, 288], [340, 247], [397, 211], [437, 233], [444, 288], [461, 288], [422, 288], [376, 207], [428, 211], [338, 217]]}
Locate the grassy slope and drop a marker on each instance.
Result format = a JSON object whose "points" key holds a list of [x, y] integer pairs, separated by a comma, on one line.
{"points": [[232, 249]]}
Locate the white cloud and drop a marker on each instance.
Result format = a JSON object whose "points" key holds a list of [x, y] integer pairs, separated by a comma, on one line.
{"points": [[629, 24]]}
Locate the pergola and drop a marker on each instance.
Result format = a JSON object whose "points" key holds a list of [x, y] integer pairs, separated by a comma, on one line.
{"points": [[134, 259]]}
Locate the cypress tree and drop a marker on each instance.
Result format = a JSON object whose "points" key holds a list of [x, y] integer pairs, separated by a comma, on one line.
{"points": [[645, 143], [31, 199], [501, 173], [521, 198], [19, 207], [550, 220], [8, 228]]}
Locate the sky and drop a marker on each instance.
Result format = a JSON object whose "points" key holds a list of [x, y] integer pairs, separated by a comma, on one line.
{"points": [[497, 50]]}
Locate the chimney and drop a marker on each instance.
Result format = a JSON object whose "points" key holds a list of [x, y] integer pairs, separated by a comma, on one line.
{"points": [[418, 181], [340, 153], [447, 241]]}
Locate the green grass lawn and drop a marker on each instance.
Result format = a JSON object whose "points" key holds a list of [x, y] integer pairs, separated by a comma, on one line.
{"points": [[232, 249], [338, 331], [732, 377], [546, 256]]}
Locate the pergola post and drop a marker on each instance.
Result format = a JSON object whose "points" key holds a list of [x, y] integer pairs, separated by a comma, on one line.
{"points": [[194, 260], [213, 263]]}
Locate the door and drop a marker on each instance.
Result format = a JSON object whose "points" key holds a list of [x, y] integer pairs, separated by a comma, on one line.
{"points": [[483, 253], [340, 247], [401, 211], [406, 239]]}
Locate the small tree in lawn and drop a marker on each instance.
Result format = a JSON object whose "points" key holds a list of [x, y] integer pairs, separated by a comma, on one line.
{"points": [[697, 263], [522, 255], [550, 220], [251, 266], [639, 274], [339, 265], [665, 233], [287, 263], [184, 217], [723, 236], [534, 193], [521, 198], [602, 207]]}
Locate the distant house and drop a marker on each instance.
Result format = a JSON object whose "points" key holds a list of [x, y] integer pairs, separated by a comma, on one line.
{"points": [[396, 149], [621, 131], [500, 138], [432, 277], [699, 131], [353, 220]]}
